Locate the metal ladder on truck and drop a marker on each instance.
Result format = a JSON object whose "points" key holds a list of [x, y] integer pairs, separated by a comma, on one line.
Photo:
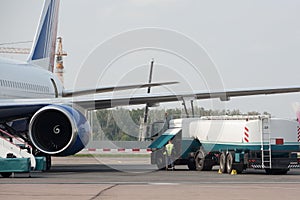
{"points": [[266, 151]]}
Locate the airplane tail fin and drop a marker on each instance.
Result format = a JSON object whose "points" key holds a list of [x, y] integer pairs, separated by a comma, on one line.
{"points": [[43, 48]]}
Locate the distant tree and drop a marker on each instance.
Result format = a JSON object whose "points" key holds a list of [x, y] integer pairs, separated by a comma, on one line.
{"points": [[266, 113], [253, 113], [234, 112]]}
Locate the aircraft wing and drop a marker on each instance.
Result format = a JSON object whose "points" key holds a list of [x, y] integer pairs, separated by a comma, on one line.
{"points": [[113, 101], [29, 106], [71, 93]]}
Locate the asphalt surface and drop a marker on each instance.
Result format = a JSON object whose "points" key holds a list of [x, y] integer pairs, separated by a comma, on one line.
{"points": [[134, 178]]}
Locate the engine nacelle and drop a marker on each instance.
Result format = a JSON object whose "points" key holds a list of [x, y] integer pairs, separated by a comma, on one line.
{"points": [[59, 130]]}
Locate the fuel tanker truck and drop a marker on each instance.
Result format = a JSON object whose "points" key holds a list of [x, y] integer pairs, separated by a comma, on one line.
{"points": [[232, 142]]}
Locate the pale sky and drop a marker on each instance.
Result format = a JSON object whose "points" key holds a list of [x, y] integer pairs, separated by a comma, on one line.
{"points": [[253, 44]]}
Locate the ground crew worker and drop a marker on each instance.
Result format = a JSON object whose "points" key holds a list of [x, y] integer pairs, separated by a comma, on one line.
{"points": [[169, 153]]}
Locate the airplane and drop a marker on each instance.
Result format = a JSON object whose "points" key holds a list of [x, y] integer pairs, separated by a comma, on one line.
{"points": [[35, 106]]}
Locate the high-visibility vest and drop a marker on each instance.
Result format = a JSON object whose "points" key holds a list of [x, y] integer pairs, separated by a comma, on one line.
{"points": [[169, 149]]}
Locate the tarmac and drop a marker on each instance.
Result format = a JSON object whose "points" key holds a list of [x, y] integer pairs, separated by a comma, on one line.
{"points": [[134, 178]]}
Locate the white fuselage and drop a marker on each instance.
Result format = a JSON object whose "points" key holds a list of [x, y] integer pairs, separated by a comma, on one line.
{"points": [[23, 80]]}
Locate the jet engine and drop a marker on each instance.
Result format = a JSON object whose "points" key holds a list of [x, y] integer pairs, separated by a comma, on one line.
{"points": [[59, 130]]}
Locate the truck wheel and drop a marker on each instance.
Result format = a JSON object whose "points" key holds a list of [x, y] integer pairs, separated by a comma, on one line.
{"points": [[223, 162], [229, 163], [207, 167], [191, 164], [6, 174], [239, 169], [200, 160], [160, 161], [276, 171]]}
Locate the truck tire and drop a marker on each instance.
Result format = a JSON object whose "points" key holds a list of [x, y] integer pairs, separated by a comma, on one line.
{"points": [[239, 168], [191, 164], [6, 174], [223, 162], [160, 161], [207, 166], [200, 160], [229, 163], [276, 171]]}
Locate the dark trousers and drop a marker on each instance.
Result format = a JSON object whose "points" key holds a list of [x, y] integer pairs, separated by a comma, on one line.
{"points": [[169, 161]]}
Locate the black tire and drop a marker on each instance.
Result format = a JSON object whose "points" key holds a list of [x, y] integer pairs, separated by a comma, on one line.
{"points": [[223, 162], [6, 174], [191, 164], [160, 161], [208, 167], [239, 169], [229, 163], [200, 160], [276, 171]]}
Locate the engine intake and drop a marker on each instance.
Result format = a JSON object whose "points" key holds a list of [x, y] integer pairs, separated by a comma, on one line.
{"points": [[59, 130]]}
